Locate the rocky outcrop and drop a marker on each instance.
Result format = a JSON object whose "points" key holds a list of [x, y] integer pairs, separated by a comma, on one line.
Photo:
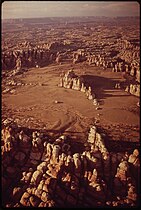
{"points": [[133, 89], [79, 56], [56, 176], [71, 81]]}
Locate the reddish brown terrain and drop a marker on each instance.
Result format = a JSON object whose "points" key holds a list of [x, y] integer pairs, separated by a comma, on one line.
{"points": [[70, 112], [33, 105]]}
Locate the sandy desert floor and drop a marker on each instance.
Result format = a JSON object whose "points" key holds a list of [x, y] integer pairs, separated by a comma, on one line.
{"points": [[33, 105]]}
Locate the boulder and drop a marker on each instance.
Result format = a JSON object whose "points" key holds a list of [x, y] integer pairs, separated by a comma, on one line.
{"points": [[36, 141], [53, 173], [41, 184], [42, 167], [45, 188], [17, 193], [136, 152], [28, 177], [30, 190], [77, 161], [42, 204], [38, 193], [55, 152], [34, 201], [36, 177], [25, 199], [44, 196]]}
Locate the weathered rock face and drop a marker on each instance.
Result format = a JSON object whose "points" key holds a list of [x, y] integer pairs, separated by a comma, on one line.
{"points": [[18, 63], [128, 60], [7, 139], [30, 57], [133, 89], [67, 80], [134, 158], [138, 75], [51, 174], [71, 81], [79, 56]]}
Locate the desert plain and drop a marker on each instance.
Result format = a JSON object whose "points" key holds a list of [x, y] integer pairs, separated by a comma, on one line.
{"points": [[70, 112]]}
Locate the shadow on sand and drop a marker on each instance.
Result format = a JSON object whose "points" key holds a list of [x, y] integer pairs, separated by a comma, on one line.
{"points": [[100, 84]]}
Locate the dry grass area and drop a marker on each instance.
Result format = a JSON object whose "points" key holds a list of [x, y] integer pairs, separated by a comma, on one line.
{"points": [[33, 105]]}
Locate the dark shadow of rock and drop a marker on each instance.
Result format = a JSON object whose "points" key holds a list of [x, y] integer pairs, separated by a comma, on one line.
{"points": [[100, 84]]}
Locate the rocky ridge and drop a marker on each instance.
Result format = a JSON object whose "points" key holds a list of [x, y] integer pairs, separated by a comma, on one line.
{"points": [[39, 171]]}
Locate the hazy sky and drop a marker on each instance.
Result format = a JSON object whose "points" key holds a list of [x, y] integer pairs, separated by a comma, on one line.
{"points": [[29, 9]]}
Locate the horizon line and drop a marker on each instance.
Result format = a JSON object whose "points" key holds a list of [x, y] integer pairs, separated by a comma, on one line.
{"points": [[69, 17]]}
